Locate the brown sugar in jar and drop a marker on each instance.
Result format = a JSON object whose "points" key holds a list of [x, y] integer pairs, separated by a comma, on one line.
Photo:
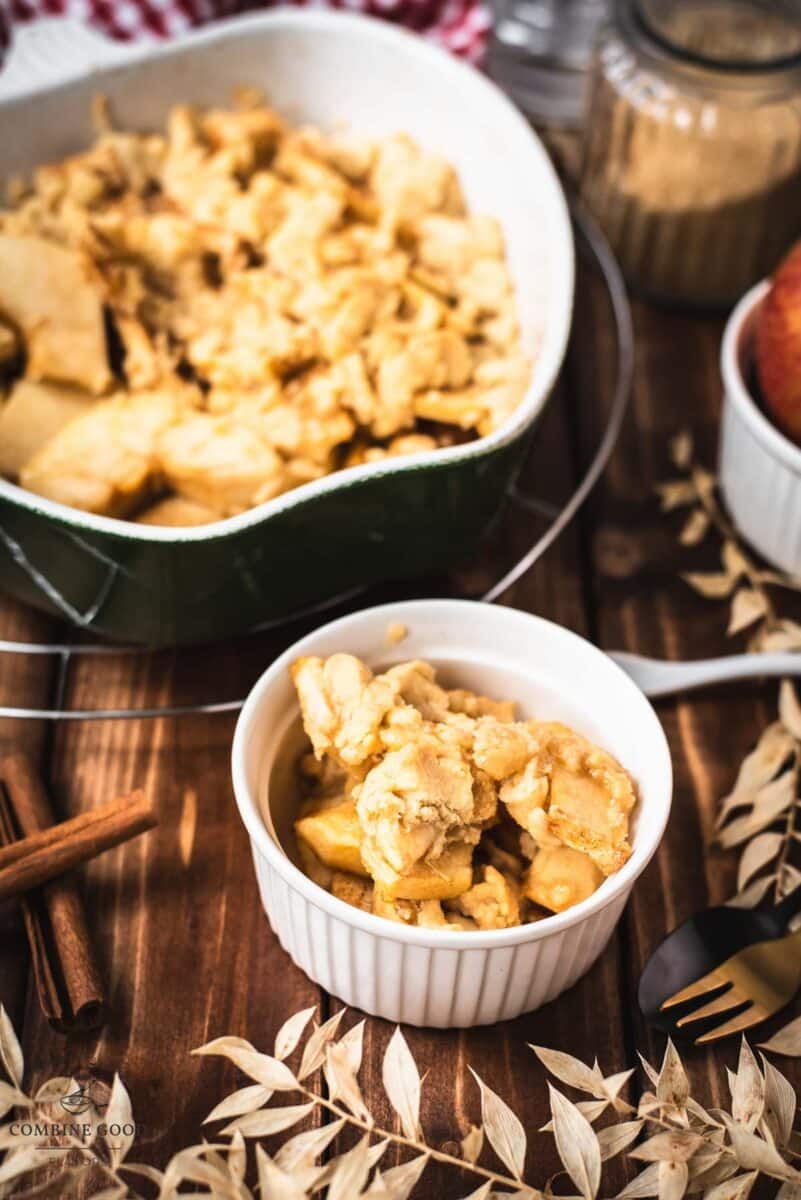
{"points": [[692, 153]]}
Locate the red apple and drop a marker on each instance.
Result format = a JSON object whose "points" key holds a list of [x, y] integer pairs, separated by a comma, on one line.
{"points": [[778, 345]]}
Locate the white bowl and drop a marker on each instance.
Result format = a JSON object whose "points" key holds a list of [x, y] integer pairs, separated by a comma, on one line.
{"points": [[760, 468], [432, 977]]}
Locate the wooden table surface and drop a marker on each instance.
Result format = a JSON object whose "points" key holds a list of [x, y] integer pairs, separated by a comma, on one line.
{"points": [[184, 943]]}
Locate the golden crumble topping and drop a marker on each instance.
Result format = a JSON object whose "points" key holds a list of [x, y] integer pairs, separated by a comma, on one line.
{"points": [[437, 808], [297, 302]]}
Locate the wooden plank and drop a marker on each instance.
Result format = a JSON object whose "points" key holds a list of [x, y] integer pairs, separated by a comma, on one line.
{"points": [[185, 947], [187, 950], [645, 607], [183, 941], [500, 1053], [25, 681]]}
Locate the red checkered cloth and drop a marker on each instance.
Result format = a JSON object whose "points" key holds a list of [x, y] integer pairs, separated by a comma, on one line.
{"points": [[461, 26]]}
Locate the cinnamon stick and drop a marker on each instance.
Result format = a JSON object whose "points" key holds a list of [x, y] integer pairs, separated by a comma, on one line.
{"points": [[65, 968], [40, 857]]}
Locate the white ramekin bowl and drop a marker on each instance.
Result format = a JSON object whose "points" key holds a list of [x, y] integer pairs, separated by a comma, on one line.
{"points": [[432, 977], [760, 468]]}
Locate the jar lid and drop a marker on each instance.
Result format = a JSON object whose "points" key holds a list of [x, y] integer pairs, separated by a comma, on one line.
{"points": [[739, 35]]}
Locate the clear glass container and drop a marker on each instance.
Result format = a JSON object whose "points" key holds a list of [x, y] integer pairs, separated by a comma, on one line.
{"points": [[691, 158], [541, 51]]}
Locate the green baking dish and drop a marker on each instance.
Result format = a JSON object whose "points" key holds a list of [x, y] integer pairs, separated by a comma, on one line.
{"points": [[373, 522]]}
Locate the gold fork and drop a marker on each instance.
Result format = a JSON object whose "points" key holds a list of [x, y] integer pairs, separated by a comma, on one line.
{"points": [[764, 976]]}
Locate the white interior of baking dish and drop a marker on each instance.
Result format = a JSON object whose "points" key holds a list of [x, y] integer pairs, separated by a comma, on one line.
{"points": [[335, 71]]}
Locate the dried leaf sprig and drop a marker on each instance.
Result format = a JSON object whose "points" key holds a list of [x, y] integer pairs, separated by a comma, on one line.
{"points": [[741, 579], [759, 815], [685, 1148]]}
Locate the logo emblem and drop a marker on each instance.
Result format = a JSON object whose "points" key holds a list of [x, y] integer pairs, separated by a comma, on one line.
{"points": [[80, 1101]]}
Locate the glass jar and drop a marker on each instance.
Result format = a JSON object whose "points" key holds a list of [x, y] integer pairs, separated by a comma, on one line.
{"points": [[541, 51], [691, 158]]}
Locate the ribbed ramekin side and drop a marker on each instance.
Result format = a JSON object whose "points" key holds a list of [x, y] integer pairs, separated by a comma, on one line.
{"points": [[563, 958], [762, 493], [429, 986], [310, 937], [590, 941]]}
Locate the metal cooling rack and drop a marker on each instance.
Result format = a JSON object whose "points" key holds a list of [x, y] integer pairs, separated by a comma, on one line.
{"points": [[559, 517]]}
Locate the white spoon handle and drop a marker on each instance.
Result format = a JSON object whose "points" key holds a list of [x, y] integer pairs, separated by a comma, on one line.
{"points": [[659, 678]]}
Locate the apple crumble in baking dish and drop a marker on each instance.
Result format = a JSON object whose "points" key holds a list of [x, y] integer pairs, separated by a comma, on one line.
{"points": [[195, 321], [437, 808]]}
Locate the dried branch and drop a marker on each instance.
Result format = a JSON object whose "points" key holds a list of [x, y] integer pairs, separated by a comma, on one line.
{"points": [[759, 814], [680, 1147]]}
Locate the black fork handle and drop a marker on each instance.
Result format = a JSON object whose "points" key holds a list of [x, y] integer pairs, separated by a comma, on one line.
{"points": [[788, 908]]}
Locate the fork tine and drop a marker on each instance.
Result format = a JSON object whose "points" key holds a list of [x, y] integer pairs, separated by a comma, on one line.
{"points": [[753, 1015], [730, 999], [702, 987]]}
